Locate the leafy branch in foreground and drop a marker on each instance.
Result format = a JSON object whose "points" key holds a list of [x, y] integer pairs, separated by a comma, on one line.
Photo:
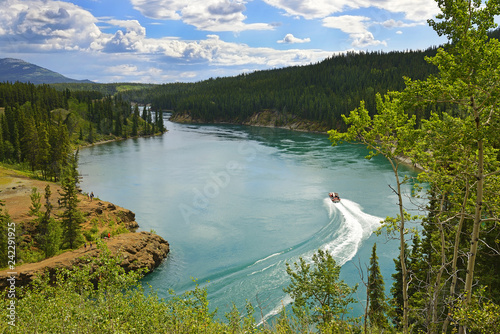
{"points": [[319, 297]]}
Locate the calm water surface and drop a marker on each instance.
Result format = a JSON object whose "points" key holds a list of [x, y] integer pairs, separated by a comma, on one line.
{"points": [[236, 203]]}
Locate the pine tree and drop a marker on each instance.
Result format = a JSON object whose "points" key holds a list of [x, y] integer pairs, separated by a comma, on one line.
{"points": [[50, 228], [396, 291], [60, 148], [135, 121], [44, 151], [30, 144], [72, 218], [90, 137], [376, 294]]}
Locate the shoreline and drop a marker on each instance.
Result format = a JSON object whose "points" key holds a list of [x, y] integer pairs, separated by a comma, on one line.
{"points": [[266, 119], [15, 191], [107, 141]]}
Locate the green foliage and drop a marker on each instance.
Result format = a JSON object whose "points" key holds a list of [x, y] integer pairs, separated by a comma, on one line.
{"points": [[318, 294], [480, 315], [457, 147], [458, 151], [390, 133], [35, 203], [100, 297], [72, 218], [377, 308], [40, 124]]}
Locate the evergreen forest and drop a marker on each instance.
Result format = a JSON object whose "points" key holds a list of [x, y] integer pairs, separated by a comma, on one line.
{"points": [[41, 126]]}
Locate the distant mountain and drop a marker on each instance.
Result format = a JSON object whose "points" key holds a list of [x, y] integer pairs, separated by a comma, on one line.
{"points": [[13, 70]]}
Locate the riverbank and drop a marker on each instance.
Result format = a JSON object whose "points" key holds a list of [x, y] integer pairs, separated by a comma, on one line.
{"points": [[140, 250], [266, 118]]}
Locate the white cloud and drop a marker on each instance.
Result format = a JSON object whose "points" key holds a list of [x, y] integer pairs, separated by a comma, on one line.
{"points": [[220, 53], [36, 29], [46, 25], [122, 69], [414, 10], [208, 15], [131, 40], [130, 25], [399, 24], [356, 27], [211, 50], [291, 39]]}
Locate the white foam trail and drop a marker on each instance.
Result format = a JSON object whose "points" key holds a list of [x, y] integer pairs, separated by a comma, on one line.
{"points": [[286, 301], [356, 226], [266, 258], [263, 269]]}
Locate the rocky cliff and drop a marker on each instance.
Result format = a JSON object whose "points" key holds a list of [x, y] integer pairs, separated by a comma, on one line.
{"points": [[138, 250], [266, 118]]}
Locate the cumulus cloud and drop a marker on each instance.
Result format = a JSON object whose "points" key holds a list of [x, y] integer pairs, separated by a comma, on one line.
{"points": [[46, 25], [208, 15], [290, 39], [414, 10], [399, 24], [356, 27], [309, 9], [131, 39], [220, 53]]}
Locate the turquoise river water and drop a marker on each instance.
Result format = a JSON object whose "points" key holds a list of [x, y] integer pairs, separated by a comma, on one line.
{"points": [[236, 203]]}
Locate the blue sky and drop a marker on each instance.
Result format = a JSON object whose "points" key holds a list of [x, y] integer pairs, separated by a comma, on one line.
{"points": [[163, 41]]}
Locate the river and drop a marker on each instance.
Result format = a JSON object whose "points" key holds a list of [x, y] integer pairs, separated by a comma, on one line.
{"points": [[236, 203]]}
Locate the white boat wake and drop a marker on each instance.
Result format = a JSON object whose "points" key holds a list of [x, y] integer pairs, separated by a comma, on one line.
{"points": [[356, 227], [353, 227]]}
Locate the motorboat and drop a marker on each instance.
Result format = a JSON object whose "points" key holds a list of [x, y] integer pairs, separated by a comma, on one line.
{"points": [[334, 197]]}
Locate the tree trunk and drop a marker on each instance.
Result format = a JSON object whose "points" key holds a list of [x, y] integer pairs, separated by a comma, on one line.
{"points": [[477, 215], [402, 257], [437, 284], [455, 256]]}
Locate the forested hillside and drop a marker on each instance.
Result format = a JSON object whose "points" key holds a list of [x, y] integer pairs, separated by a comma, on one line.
{"points": [[40, 126], [320, 92], [40, 129]]}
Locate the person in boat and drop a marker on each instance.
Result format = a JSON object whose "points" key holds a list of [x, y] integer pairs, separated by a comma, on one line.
{"points": [[334, 196]]}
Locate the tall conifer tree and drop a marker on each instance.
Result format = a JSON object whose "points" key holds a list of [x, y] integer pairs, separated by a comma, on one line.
{"points": [[72, 218], [376, 293]]}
